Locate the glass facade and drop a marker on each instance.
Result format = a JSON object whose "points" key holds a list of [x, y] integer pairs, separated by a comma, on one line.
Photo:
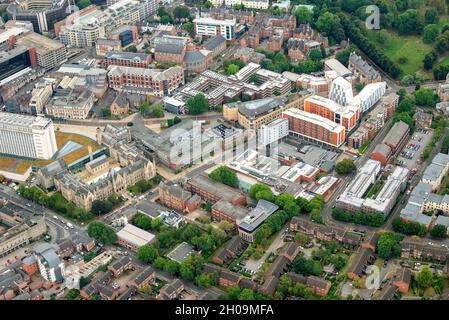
{"points": [[14, 65]]}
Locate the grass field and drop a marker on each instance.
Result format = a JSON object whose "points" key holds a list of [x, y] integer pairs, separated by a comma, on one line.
{"points": [[410, 47]]}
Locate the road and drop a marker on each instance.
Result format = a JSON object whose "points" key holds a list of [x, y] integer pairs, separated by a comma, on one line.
{"points": [[57, 226]]}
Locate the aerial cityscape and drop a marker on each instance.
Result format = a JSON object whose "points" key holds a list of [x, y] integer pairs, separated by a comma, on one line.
{"points": [[224, 150]]}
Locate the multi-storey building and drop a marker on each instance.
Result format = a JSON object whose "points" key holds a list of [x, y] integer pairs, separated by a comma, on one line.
{"points": [[249, 225], [273, 131], [83, 28], [174, 196], [436, 171], [226, 211], [341, 91], [369, 96], [50, 266], [126, 59], [362, 70], [39, 98], [326, 108], [213, 191], [70, 104], [392, 143], [314, 128], [43, 14], [20, 232], [209, 27], [27, 136], [256, 4], [49, 53], [254, 114], [146, 81]]}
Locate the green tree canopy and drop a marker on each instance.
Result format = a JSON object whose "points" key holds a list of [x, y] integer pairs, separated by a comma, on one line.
{"points": [[147, 253], [101, 232], [388, 246], [197, 104], [425, 278], [181, 12], [225, 175], [303, 15], [439, 231], [100, 207], [142, 221], [345, 166], [431, 33]]}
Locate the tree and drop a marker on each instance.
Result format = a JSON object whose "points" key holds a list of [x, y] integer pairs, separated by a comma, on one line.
{"points": [[431, 33], [101, 232], [72, 294], [345, 167], [189, 27], [131, 48], [327, 22], [388, 246], [264, 195], [84, 3], [158, 111], [404, 117], [303, 15], [203, 280], [100, 207], [233, 293], [439, 231], [246, 294], [431, 16], [315, 54], [425, 97], [410, 23], [255, 188], [147, 253], [171, 267], [232, 69], [197, 104], [144, 108], [283, 199], [181, 12], [429, 60], [406, 105], [208, 5], [425, 278], [225, 175], [165, 19]]}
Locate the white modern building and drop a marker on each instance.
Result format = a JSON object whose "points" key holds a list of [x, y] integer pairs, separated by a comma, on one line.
{"points": [[209, 27], [354, 198], [231, 3], [83, 30], [50, 266], [273, 131], [369, 96], [341, 91], [27, 136], [256, 4]]}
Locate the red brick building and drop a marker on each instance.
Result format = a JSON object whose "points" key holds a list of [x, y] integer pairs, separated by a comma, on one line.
{"points": [[126, 59]]}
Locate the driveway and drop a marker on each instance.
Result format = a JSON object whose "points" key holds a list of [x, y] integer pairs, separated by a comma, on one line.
{"points": [[255, 265]]}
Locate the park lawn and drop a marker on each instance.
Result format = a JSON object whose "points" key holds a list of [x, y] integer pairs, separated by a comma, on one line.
{"points": [[410, 47], [444, 61]]}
